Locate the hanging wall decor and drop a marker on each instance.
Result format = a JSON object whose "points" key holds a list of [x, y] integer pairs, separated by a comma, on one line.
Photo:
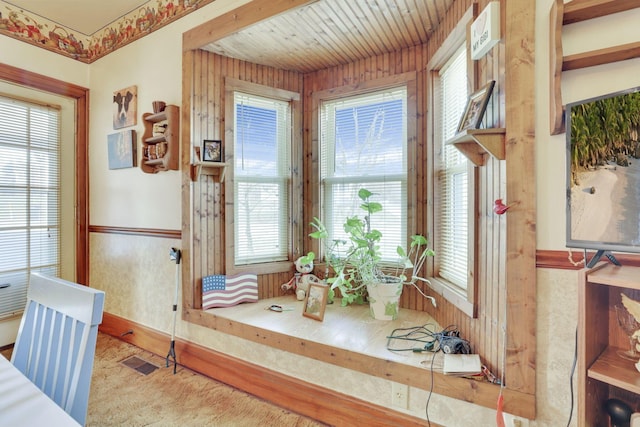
{"points": [[121, 149], [125, 107]]}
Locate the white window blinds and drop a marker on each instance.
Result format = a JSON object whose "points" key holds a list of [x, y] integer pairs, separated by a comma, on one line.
{"points": [[29, 197], [364, 145], [452, 247], [262, 174]]}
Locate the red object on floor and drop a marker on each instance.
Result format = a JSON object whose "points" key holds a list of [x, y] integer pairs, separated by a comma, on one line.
{"points": [[499, 415]]}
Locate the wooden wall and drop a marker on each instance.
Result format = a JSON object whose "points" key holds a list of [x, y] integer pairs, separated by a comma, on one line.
{"points": [[484, 331], [487, 331], [206, 228]]}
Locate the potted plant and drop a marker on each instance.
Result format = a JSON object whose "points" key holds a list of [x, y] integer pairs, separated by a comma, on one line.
{"points": [[359, 270]]}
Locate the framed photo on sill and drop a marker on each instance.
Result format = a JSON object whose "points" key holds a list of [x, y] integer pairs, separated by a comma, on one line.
{"points": [[212, 150], [476, 106], [316, 301]]}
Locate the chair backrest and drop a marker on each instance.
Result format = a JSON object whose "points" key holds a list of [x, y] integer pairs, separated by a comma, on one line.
{"points": [[56, 341]]}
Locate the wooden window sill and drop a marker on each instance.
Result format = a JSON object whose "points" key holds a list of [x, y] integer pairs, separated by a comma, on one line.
{"points": [[348, 337]]}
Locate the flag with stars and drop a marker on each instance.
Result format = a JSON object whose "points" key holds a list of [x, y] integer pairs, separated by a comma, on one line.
{"points": [[226, 291]]}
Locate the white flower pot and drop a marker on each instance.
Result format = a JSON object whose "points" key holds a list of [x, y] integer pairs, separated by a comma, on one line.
{"points": [[384, 300]]}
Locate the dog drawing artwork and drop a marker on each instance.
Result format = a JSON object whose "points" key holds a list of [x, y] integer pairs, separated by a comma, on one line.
{"points": [[124, 107]]}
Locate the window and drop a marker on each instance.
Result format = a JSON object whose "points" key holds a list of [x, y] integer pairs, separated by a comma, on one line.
{"points": [[363, 144], [261, 154], [29, 197], [453, 178]]}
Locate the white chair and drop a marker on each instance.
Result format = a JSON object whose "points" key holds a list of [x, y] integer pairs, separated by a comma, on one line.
{"points": [[56, 342]]}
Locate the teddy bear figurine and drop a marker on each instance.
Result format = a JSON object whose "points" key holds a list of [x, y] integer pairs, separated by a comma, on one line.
{"points": [[303, 277]]}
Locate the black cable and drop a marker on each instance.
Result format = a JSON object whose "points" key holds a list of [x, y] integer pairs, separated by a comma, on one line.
{"points": [[426, 407], [573, 369], [417, 334], [432, 342], [423, 335]]}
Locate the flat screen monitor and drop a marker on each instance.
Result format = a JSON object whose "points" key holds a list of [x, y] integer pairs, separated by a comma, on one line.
{"points": [[603, 173]]}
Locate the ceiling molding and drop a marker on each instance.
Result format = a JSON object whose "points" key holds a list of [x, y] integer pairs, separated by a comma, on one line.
{"points": [[41, 32]]}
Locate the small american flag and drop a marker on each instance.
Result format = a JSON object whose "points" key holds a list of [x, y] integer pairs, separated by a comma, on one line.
{"points": [[226, 291]]}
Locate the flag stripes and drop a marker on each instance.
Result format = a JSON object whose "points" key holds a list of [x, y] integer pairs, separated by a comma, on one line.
{"points": [[227, 291]]}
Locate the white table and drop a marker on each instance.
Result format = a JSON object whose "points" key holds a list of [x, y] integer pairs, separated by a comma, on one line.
{"points": [[22, 404]]}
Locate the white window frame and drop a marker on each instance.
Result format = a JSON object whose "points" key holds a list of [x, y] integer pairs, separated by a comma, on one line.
{"points": [[37, 185], [464, 298], [406, 80], [293, 210]]}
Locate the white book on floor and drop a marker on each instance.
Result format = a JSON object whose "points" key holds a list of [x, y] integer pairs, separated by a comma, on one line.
{"points": [[462, 364]]}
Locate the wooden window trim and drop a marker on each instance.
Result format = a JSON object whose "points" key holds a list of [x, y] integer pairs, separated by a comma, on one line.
{"points": [[295, 204], [81, 97], [409, 80], [465, 303]]}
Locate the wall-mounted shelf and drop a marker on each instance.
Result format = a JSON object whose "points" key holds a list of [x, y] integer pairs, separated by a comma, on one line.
{"points": [[214, 169], [475, 144], [572, 12], [160, 150]]}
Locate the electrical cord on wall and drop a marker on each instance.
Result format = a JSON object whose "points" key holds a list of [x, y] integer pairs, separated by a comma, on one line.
{"points": [[573, 370], [428, 340], [426, 406]]}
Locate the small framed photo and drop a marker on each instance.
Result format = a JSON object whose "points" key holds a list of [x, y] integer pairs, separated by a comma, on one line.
{"points": [[476, 105], [212, 150], [316, 301]]}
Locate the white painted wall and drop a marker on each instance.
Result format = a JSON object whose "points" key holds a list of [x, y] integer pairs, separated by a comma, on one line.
{"points": [[130, 197]]}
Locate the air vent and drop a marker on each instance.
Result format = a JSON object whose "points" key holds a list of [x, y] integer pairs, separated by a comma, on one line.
{"points": [[139, 365]]}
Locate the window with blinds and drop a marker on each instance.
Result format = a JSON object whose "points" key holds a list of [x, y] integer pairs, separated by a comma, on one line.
{"points": [[453, 178], [29, 198], [262, 174], [363, 144]]}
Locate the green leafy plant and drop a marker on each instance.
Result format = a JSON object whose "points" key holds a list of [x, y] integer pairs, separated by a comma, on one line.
{"points": [[357, 262]]}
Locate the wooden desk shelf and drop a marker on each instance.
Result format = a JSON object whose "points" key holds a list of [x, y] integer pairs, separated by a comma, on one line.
{"points": [[476, 143], [611, 369], [602, 373]]}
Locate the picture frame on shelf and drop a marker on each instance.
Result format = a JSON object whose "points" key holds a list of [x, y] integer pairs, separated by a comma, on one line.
{"points": [[121, 149], [476, 106], [212, 150], [315, 301]]}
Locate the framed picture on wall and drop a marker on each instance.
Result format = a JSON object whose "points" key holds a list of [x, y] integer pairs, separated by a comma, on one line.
{"points": [[125, 107], [121, 149], [212, 150], [476, 105]]}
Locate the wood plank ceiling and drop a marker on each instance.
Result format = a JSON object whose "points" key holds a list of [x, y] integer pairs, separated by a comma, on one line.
{"points": [[332, 32]]}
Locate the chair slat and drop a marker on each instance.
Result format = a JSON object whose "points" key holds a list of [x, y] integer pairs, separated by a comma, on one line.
{"points": [[56, 340]]}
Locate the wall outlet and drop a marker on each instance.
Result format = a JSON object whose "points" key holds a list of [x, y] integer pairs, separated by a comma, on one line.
{"points": [[400, 395], [519, 422]]}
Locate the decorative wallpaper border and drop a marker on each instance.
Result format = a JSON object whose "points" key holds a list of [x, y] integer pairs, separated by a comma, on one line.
{"points": [[38, 31]]}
